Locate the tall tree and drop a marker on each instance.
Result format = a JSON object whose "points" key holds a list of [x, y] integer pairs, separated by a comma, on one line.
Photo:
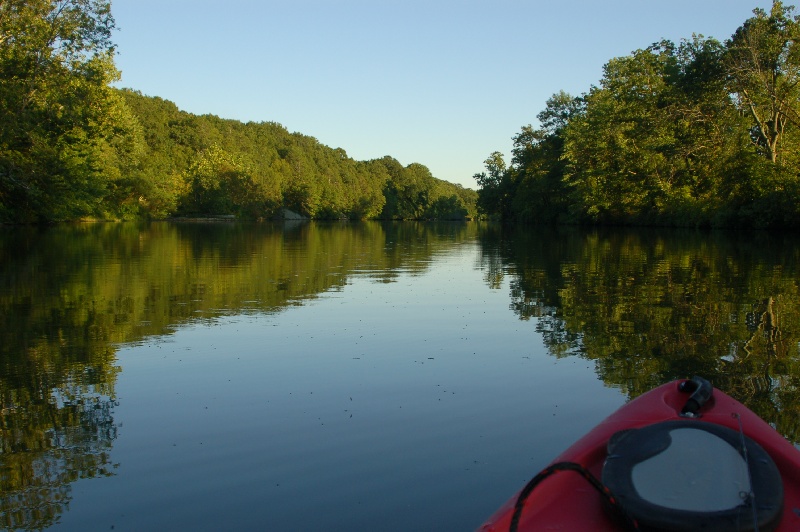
{"points": [[619, 149], [61, 126], [764, 66], [537, 157], [496, 187]]}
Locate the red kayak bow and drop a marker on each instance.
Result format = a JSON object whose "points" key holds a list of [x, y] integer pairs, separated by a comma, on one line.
{"points": [[680, 457]]}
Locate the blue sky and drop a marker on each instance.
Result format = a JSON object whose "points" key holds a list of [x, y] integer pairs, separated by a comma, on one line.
{"points": [[442, 83]]}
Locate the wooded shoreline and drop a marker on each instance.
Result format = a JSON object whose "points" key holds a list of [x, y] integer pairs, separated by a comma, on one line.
{"points": [[702, 133]]}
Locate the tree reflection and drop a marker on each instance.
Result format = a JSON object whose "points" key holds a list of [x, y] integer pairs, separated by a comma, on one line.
{"points": [[54, 429], [648, 307], [70, 294]]}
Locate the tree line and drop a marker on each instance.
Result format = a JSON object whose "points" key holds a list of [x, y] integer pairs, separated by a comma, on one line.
{"points": [[74, 147], [191, 165], [702, 133]]}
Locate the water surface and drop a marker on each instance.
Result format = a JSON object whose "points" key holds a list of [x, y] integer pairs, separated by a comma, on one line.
{"points": [[397, 376]]}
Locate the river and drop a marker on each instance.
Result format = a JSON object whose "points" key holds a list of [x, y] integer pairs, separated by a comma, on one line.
{"points": [[355, 376]]}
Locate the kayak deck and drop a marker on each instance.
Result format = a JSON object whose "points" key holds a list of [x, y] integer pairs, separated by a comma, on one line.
{"points": [[567, 501]]}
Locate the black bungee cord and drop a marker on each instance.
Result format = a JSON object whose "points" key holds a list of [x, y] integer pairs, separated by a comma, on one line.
{"points": [[585, 473]]}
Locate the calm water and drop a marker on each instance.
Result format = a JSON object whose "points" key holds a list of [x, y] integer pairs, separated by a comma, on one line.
{"points": [[355, 376]]}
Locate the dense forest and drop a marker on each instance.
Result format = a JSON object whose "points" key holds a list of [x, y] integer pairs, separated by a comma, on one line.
{"points": [[699, 133], [702, 133], [72, 146], [190, 165]]}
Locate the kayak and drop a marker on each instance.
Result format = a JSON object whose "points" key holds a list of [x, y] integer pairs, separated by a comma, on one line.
{"points": [[681, 457]]}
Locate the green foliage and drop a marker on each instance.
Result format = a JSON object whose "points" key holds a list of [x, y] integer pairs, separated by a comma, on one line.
{"points": [[223, 184], [698, 134], [542, 193], [763, 61], [412, 193], [72, 147], [205, 165], [447, 208], [66, 138], [497, 187]]}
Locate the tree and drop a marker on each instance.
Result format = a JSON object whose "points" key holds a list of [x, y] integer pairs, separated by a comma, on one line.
{"points": [[368, 199], [409, 190], [657, 138], [417, 191], [537, 156], [763, 62], [222, 183], [58, 130], [668, 138], [495, 187], [447, 208], [559, 109], [620, 148]]}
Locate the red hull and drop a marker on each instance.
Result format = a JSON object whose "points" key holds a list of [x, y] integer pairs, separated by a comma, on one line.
{"points": [[566, 501]]}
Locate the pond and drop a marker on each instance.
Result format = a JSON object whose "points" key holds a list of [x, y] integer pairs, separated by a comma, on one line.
{"points": [[355, 376]]}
